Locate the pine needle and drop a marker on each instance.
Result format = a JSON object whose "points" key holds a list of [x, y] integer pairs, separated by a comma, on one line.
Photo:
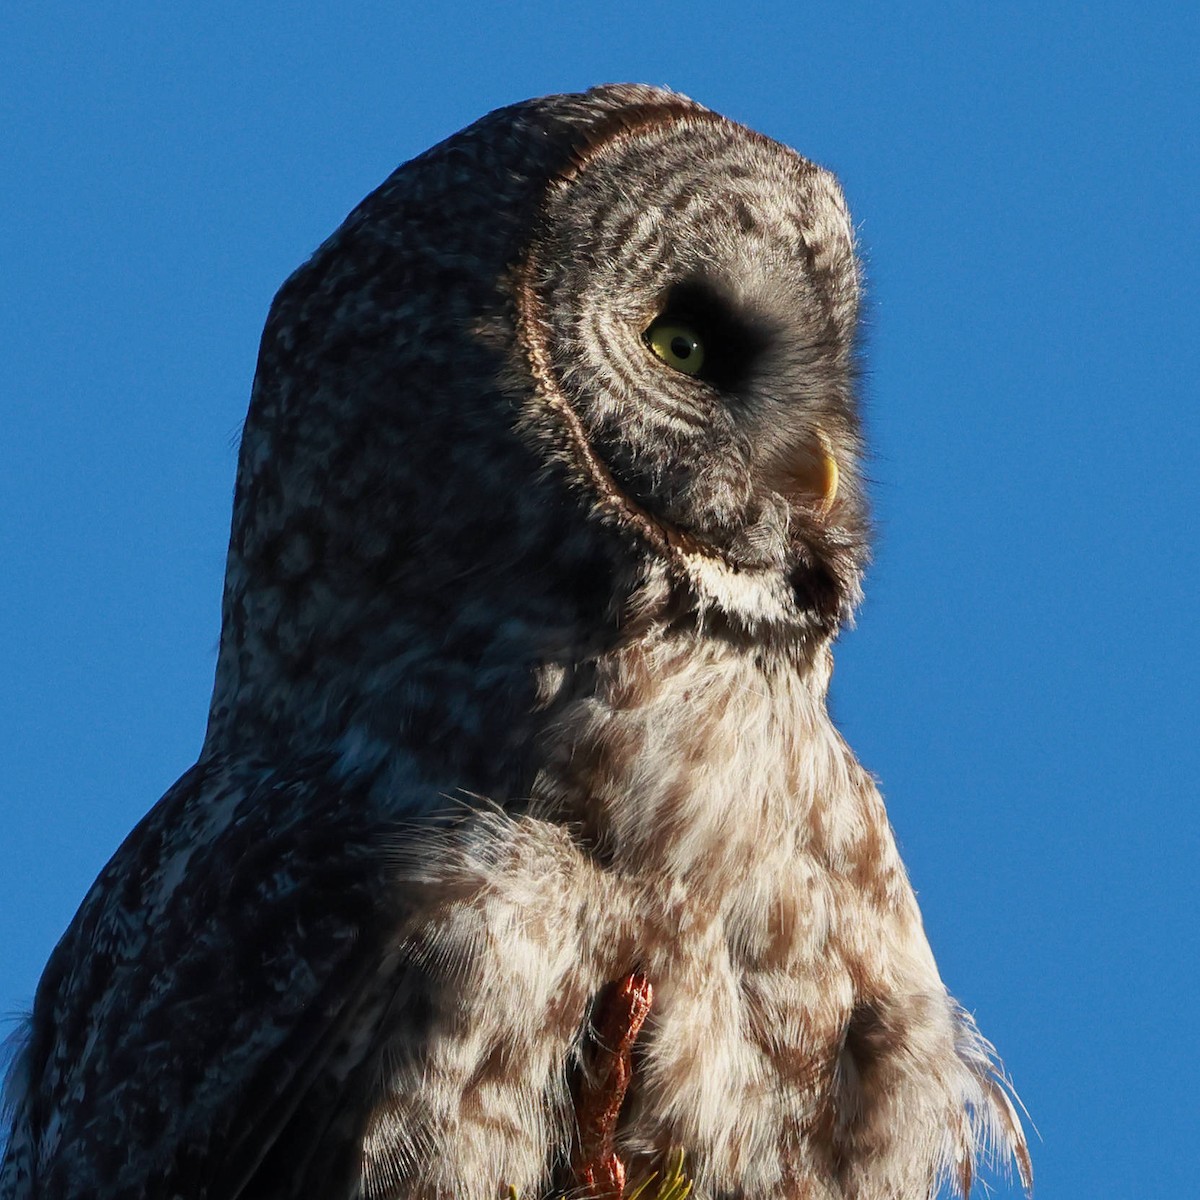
{"points": [[674, 1184]]}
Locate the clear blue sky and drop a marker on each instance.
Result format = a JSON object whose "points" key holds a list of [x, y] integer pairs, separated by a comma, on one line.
{"points": [[1023, 679]]}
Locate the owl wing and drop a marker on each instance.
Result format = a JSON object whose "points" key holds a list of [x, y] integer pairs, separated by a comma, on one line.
{"points": [[212, 996]]}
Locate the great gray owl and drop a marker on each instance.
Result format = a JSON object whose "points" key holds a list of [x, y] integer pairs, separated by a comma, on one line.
{"points": [[522, 856]]}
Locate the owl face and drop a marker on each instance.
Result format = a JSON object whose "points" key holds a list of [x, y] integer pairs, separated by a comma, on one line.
{"points": [[689, 301]]}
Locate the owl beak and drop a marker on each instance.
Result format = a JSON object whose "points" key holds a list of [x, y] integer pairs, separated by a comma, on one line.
{"points": [[828, 478], [811, 476]]}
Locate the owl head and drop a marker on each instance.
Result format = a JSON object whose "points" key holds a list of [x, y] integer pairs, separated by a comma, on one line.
{"points": [[587, 361]]}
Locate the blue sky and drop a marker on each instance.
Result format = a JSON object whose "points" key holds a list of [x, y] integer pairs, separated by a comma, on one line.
{"points": [[1023, 679]]}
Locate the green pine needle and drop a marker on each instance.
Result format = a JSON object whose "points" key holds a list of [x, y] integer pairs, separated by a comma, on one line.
{"points": [[674, 1184]]}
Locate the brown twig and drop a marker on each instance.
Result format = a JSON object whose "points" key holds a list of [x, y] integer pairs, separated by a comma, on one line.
{"points": [[598, 1169]]}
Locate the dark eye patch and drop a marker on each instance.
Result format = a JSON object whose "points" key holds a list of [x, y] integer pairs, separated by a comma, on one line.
{"points": [[731, 341]]}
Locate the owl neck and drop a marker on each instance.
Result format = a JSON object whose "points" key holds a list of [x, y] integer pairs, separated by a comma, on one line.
{"points": [[510, 683]]}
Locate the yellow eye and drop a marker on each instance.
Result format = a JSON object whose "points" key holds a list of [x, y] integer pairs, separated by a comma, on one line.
{"points": [[677, 344]]}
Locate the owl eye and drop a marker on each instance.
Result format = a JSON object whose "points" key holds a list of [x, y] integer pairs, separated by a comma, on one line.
{"points": [[677, 343]]}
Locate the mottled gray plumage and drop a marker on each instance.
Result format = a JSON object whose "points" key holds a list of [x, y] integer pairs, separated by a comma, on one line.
{"points": [[522, 688]]}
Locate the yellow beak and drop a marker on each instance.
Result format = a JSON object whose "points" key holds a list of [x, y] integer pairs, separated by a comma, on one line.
{"points": [[812, 475]]}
